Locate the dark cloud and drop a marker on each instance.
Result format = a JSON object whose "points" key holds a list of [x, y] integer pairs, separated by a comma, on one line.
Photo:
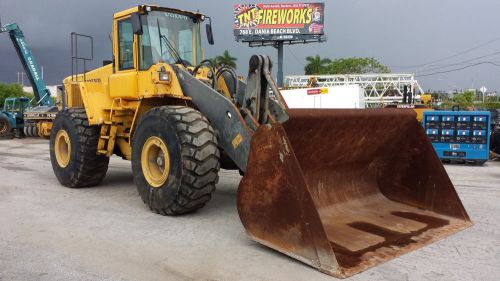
{"points": [[398, 33]]}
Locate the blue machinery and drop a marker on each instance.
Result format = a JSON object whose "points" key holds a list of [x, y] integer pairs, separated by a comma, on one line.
{"points": [[459, 136], [42, 94], [36, 121]]}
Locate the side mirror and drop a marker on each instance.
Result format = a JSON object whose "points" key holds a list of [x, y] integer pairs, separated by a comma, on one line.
{"points": [[210, 35], [136, 23]]}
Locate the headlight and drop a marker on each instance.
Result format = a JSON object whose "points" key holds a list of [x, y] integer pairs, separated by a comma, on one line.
{"points": [[164, 77]]}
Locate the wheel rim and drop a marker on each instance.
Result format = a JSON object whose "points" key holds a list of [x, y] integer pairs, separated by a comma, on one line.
{"points": [[62, 148], [3, 126], [155, 161]]}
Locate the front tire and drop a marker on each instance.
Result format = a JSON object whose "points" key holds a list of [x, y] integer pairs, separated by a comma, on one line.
{"points": [[73, 150], [175, 159]]}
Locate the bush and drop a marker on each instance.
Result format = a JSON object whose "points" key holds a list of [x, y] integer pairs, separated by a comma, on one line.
{"points": [[12, 91], [479, 106]]}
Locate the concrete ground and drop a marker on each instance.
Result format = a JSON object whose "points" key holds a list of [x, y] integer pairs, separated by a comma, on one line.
{"points": [[49, 232]]}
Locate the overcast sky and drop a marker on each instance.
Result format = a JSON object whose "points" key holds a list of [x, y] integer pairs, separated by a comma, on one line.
{"points": [[405, 35]]}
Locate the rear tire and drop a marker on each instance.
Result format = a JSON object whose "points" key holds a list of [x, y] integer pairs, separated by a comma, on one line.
{"points": [[5, 129], [75, 161], [193, 159]]}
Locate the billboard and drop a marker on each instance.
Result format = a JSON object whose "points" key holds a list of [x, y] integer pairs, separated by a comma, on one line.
{"points": [[279, 22]]}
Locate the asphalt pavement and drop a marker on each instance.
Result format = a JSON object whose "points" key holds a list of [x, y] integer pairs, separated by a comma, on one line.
{"points": [[49, 232]]}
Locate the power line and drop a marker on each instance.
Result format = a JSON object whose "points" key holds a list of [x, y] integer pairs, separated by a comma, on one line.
{"points": [[293, 55], [457, 69], [452, 56], [461, 62]]}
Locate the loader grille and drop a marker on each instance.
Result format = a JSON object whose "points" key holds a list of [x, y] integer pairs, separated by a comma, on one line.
{"points": [[75, 99]]}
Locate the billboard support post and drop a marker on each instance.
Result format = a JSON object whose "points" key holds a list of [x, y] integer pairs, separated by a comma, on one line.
{"points": [[280, 63], [277, 24]]}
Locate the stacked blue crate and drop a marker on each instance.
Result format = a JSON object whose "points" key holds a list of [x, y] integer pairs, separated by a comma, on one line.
{"points": [[459, 136]]}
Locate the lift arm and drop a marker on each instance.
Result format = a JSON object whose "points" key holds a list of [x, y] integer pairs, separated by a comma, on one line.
{"points": [[40, 90]]}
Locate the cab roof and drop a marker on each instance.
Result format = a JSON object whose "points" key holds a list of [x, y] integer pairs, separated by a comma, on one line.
{"points": [[142, 8]]}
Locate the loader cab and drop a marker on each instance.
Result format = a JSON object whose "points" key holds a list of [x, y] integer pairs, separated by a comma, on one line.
{"points": [[148, 36], [16, 106]]}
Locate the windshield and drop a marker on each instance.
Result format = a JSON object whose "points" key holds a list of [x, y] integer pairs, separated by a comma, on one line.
{"points": [[9, 105], [165, 31], [15, 105]]}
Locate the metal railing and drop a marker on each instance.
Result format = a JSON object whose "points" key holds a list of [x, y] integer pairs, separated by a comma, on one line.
{"points": [[76, 56], [378, 88]]}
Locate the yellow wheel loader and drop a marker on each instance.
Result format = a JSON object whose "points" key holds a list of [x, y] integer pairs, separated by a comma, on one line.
{"points": [[340, 190]]}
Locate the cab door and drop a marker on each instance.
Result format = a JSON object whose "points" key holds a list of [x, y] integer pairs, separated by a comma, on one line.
{"points": [[123, 82]]}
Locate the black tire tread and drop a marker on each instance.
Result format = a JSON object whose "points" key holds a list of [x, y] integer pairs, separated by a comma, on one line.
{"points": [[8, 133], [91, 168], [200, 159]]}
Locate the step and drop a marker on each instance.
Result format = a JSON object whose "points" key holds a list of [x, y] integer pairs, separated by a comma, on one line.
{"points": [[120, 108]]}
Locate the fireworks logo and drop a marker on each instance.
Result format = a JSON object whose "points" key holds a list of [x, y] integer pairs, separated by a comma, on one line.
{"points": [[251, 16]]}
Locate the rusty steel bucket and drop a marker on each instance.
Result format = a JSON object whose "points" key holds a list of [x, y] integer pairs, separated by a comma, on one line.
{"points": [[345, 190]]}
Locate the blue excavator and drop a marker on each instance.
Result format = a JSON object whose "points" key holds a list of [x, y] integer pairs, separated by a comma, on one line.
{"points": [[36, 120]]}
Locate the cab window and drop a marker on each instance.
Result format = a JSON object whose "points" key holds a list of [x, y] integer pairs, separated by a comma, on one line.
{"points": [[17, 106], [9, 105], [125, 45], [166, 35]]}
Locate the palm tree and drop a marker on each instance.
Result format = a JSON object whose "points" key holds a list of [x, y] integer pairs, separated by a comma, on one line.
{"points": [[214, 62], [226, 60], [316, 65]]}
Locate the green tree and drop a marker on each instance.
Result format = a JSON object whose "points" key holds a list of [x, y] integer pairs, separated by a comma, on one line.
{"points": [[356, 66], [11, 91], [226, 60], [316, 65], [464, 99], [214, 62]]}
